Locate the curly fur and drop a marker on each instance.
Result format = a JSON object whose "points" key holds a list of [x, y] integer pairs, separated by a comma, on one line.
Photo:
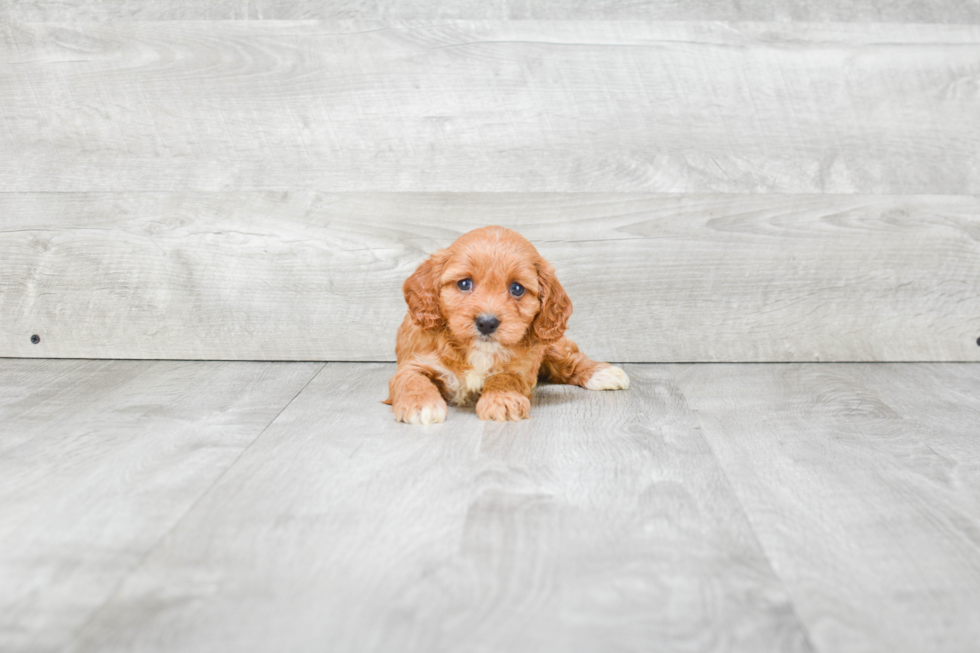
{"points": [[442, 356]]}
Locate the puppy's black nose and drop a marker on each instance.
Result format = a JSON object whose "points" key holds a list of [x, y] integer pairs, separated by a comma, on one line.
{"points": [[487, 324]]}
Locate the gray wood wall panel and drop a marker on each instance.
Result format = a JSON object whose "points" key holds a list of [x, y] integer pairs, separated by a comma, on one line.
{"points": [[914, 11], [489, 106], [312, 275]]}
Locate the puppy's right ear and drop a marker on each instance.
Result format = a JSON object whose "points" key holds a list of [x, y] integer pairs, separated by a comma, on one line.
{"points": [[422, 292]]}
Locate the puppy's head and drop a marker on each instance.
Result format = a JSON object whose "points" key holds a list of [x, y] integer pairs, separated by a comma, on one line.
{"points": [[491, 286]]}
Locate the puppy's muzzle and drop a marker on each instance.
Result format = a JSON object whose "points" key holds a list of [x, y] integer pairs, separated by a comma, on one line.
{"points": [[486, 324]]}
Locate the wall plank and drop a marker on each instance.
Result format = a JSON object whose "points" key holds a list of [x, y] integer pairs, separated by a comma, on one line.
{"points": [[489, 106], [912, 11], [317, 276]]}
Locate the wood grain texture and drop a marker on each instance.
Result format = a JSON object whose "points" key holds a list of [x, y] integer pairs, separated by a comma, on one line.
{"points": [[861, 490], [317, 276], [828, 507], [98, 461], [603, 523], [455, 105], [941, 404], [903, 11], [947, 402]]}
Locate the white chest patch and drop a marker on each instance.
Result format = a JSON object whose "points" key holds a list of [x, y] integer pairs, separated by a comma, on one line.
{"points": [[482, 357]]}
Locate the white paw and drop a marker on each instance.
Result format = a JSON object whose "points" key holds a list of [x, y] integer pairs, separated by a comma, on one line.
{"points": [[429, 415], [608, 378]]}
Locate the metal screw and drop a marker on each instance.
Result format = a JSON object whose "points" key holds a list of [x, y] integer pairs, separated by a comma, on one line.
{"points": [[35, 338]]}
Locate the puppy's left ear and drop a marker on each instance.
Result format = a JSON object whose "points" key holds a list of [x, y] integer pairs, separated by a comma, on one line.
{"points": [[556, 307], [422, 292]]}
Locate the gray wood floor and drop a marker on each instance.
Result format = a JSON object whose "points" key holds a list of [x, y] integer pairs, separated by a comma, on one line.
{"points": [[202, 506]]}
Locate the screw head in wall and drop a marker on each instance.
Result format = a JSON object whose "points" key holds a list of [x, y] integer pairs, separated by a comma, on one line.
{"points": [[35, 338]]}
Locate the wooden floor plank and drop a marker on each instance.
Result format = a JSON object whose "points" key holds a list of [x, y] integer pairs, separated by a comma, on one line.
{"points": [[141, 513], [517, 105], [99, 460], [603, 523], [941, 404], [318, 276], [56, 385], [861, 493]]}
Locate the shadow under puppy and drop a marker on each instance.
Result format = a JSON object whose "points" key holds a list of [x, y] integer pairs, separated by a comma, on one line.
{"points": [[486, 319]]}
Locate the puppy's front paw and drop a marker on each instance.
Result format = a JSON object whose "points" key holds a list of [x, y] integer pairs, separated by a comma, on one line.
{"points": [[608, 378], [421, 411], [503, 406]]}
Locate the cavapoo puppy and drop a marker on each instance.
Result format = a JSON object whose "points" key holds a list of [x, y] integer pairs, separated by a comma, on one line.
{"points": [[486, 319]]}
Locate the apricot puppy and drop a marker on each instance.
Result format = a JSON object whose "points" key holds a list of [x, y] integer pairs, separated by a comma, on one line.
{"points": [[486, 319]]}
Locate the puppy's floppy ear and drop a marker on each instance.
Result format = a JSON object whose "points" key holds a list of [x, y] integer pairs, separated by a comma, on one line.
{"points": [[556, 307], [422, 292]]}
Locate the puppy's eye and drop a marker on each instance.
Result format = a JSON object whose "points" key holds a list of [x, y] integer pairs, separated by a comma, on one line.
{"points": [[516, 289], [465, 284]]}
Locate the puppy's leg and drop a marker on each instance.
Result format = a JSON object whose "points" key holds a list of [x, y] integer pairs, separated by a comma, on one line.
{"points": [[506, 397], [415, 399], [564, 363]]}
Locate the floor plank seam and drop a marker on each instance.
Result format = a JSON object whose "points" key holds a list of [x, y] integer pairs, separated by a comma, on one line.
{"points": [[150, 550], [804, 628], [392, 361]]}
